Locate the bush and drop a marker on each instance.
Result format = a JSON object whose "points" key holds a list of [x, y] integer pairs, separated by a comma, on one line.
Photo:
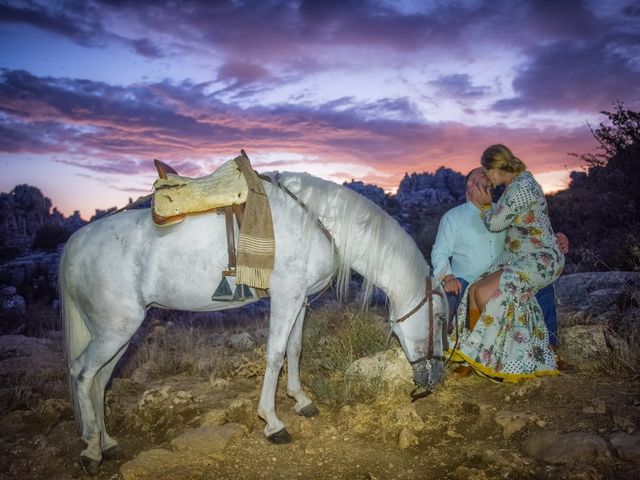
{"points": [[334, 339], [48, 237]]}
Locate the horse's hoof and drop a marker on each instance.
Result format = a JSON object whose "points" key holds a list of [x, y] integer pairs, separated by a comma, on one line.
{"points": [[89, 465], [281, 436], [309, 411], [114, 452]]}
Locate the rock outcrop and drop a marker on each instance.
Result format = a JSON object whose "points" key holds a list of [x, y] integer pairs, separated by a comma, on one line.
{"points": [[426, 189], [597, 311]]}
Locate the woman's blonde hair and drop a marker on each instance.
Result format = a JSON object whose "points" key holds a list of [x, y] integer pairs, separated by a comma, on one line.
{"points": [[499, 156]]}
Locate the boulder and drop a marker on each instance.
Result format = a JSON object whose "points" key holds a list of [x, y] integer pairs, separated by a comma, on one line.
{"points": [[390, 365], [627, 446], [157, 463], [192, 453], [241, 411], [566, 448], [11, 303], [36, 274], [596, 297], [584, 343], [207, 441]]}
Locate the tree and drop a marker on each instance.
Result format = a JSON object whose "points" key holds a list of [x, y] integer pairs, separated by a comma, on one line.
{"points": [[600, 212], [613, 139]]}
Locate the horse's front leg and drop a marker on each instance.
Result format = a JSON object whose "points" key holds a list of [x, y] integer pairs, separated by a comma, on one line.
{"points": [[283, 315], [304, 405]]}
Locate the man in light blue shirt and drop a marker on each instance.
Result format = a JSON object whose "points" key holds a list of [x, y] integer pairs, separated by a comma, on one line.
{"points": [[464, 249]]}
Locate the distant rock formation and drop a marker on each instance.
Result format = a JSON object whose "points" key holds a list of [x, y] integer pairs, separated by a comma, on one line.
{"points": [[372, 192], [23, 213], [443, 186]]}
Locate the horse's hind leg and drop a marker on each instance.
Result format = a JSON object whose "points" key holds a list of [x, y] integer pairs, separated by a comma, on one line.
{"points": [[304, 405], [110, 448], [83, 370]]}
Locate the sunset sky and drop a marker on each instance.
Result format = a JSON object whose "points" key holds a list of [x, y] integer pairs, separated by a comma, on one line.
{"points": [[92, 91]]}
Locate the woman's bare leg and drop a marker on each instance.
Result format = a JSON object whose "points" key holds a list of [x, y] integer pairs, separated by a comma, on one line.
{"points": [[473, 312], [485, 289]]}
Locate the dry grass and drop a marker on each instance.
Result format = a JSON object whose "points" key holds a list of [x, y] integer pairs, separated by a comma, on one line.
{"points": [[176, 344], [334, 338], [38, 321], [623, 357]]}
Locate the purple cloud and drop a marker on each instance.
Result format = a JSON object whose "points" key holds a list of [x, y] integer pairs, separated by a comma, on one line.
{"points": [[458, 86], [576, 76]]}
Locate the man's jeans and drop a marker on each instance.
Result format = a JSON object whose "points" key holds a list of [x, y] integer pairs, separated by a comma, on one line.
{"points": [[546, 298]]}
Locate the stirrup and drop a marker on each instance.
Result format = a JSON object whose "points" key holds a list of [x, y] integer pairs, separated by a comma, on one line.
{"points": [[242, 293], [223, 293]]}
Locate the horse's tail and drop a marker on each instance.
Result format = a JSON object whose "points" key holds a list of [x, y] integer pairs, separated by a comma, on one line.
{"points": [[76, 334]]}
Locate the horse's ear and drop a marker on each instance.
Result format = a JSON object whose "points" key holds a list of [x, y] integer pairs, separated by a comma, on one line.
{"points": [[163, 169]]}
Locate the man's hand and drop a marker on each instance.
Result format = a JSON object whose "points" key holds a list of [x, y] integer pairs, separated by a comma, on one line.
{"points": [[563, 242], [452, 285]]}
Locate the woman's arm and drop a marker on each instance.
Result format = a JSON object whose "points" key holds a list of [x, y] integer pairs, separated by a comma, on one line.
{"points": [[514, 201]]}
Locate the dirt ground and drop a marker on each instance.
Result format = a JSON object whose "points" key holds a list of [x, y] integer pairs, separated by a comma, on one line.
{"points": [[456, 433]]}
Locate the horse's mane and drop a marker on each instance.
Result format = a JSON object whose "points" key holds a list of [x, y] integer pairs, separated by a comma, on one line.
{"points": [[353, 219]]}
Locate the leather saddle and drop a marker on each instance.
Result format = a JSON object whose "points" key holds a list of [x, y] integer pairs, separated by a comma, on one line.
{"points": [[175, 197]]}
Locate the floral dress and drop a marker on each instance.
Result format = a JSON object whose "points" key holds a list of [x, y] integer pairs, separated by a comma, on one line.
{"points": [[510, 340]]}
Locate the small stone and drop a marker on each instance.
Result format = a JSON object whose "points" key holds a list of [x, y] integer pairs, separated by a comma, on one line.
{"points": [[406, 416], [512, 422], [623, 423], [466, 473], [601, 407], [407, 439], [213, 417], [182, 397], [220, 384], [506, 460], [242, 341]]}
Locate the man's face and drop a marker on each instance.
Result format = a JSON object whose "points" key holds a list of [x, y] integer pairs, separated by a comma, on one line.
{"points": [[479, 179]]}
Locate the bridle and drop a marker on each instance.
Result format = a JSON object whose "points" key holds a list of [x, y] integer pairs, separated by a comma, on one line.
{"points": [[428, 299]]}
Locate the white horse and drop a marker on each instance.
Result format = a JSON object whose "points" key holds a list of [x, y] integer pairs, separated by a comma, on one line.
{"points": [[114, 269]]}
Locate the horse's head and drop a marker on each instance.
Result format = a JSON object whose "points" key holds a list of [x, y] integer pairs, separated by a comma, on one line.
{"points": [[422, 334]]}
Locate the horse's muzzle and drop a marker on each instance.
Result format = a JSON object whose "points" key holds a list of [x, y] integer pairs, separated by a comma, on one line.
{"points": [[428, 373]]}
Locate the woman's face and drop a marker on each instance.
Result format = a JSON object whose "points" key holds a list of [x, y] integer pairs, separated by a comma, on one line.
{"points": [[494, 176]]}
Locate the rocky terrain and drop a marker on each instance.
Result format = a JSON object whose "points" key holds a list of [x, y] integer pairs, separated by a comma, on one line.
{"points": [[183, 404]]}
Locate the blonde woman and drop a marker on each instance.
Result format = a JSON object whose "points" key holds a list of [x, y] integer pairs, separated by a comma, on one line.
{"points": [[505, 337]]}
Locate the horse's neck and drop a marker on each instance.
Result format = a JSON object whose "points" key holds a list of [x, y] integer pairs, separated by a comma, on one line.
{"points": [[367, 239], [396, 277]]}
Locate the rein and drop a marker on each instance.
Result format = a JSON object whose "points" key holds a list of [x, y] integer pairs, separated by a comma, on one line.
{"points": [[428, 298]]}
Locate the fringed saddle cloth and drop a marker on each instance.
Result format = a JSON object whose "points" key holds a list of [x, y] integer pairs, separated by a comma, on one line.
{"points": [[233, 183]]}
